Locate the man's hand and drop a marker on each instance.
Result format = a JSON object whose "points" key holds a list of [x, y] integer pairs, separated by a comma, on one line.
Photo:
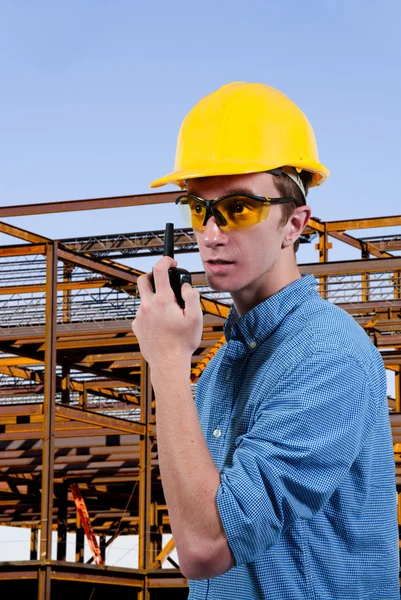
{"points": [[165, 331], [168, 335]]}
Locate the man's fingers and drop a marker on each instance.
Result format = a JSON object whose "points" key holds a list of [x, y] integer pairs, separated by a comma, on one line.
{"points": [[160, 275], [144, 285], [190, 296]]}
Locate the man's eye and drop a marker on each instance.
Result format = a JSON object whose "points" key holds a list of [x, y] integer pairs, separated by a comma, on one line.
{"points": [[197, 209], [239, 208]]}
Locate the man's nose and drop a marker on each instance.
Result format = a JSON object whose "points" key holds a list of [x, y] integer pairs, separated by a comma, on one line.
{"points": [[212, 235]]}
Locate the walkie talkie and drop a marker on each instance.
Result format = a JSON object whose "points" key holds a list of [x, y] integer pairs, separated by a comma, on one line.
{"points": [[177, 276]]}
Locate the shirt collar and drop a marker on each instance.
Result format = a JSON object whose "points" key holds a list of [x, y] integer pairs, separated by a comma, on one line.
{"points": [[255, 326]]}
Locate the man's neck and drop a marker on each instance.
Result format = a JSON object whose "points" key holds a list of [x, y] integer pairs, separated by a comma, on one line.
{"points": [[258, 291]]}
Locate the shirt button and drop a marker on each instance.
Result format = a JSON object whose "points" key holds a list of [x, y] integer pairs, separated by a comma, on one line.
{"points": [[253, 345], [217, 432]]}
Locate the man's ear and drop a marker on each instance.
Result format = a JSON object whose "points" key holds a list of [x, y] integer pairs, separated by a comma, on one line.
{"points": [[296, 224]]}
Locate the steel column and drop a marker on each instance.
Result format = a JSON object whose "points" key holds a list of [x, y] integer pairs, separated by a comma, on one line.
{"points": [[79, 540], [323, 246], [397, 285], [48, 422], [62, 515], [365, 282], [144, 554], [34, 544], [65, 384], [103, 546], [67, 272], [398, 391]]}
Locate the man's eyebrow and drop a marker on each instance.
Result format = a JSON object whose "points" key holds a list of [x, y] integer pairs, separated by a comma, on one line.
{"points": [[231, 192]]}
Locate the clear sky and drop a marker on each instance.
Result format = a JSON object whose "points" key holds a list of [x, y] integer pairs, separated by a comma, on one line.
{"points": [[93, 93]]}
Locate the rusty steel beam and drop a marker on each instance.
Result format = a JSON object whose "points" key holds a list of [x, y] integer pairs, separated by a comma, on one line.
{"points": [[164, 554], [382, 307], [144, 480], [44, 585], [145, 243], [93, 418], [100, 333], [133, 357], [34, 544], [69, 462], [22, 250], [65, 431], [40, 288], [102, 387], [350, 267], [14, 361], [198, 369], [144, 544], [151, 241], [214, 308], [62, 517], [91, 574], [67, 330], [368, 223], [92, 370], [80, 453], [398, 389], [110, 268], [314, 225], [44, 208], [103, 266], [362, 245], [22, 234], [384, 243], [388, 341], [96, 444], [85, 520], [66, 419]]}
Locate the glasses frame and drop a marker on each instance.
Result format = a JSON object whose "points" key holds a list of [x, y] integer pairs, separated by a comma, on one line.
{"points": [[211, 212]]}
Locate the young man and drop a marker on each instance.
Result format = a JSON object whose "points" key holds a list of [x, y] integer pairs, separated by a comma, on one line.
{"points": [[280, 482]]}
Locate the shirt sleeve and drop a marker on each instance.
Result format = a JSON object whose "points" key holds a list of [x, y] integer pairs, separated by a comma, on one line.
{"points": [[304, 439]]}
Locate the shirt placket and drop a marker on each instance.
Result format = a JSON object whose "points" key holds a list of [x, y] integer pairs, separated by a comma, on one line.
{"points": [[230, 369]]}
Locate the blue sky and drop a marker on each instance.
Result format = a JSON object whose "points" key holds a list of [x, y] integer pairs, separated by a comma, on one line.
{"points": [[93, 93]]}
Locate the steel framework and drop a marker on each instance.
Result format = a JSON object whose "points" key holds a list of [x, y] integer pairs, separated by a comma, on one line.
{"points": [[78, 438]]}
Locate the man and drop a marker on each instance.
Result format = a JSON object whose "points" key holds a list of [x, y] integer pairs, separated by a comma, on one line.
{"points": [[280, 481]]}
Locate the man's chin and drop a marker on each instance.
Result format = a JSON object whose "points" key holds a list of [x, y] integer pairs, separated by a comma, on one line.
{"points": [[217, 284]]}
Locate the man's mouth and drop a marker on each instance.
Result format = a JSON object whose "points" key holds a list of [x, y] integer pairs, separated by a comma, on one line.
{"points": [[219, 262], [218, 267]]}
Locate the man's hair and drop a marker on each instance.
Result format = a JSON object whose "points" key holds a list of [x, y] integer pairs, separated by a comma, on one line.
{"points": [[287, 188]]}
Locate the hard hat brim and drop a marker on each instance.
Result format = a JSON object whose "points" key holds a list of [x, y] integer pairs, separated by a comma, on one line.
{"points": [[320, 173]]}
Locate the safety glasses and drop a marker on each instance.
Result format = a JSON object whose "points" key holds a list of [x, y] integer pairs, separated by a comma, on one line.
{"points": [[234, 211]]}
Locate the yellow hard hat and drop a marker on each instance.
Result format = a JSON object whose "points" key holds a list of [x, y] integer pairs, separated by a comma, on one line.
{"points": [[244, 128]]}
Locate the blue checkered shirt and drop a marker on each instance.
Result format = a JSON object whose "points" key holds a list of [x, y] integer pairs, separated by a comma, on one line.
{"points": [[294, 411]]}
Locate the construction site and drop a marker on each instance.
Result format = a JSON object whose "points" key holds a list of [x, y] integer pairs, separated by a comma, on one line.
{"points": [[78, 431]]}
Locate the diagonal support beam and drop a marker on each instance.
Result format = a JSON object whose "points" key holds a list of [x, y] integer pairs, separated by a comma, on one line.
{"points": [[86, 416], [360, 244], [164, 554], [199, 368], [86, 522], [22, 234], [213, 307]]}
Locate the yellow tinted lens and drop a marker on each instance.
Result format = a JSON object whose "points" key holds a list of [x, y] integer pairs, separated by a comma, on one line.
{"points": [[241, 211], [193, 212]]}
